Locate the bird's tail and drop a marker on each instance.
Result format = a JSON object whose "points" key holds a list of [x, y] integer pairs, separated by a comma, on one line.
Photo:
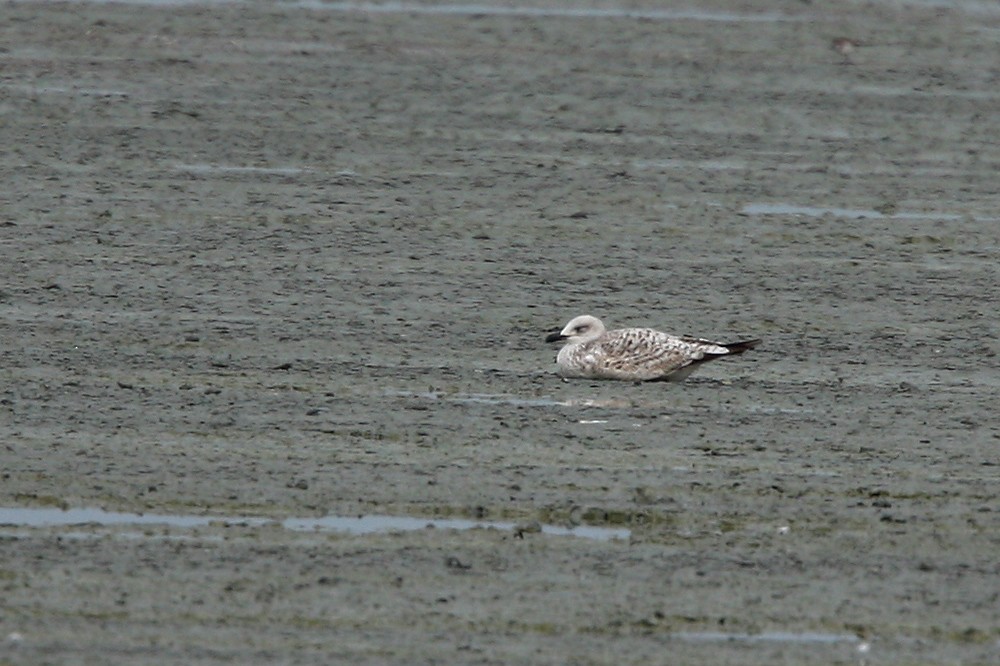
{"points": [[740, 347]]}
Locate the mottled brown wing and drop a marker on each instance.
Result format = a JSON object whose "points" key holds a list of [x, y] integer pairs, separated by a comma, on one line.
{"points": [[641, 354]]}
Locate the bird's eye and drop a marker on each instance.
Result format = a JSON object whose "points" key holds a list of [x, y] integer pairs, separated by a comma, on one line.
{"points": [[580, 329]]}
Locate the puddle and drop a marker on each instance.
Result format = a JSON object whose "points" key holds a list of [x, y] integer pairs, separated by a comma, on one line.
{"points": [[615, 403], [62, 90], [558, 12], [40, 517], [704, 165], [30, 517], [501, 399], [475, 9], [223, 168], [490, 399], [854, 213], [806, 637], [376, 524], [664, 405]]}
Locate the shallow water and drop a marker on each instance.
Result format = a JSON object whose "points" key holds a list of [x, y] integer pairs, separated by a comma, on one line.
{"points": [[502, 399], [565, 12], [229, 168], [31, 517], [767, 636], [858, 213], [484, 9]]}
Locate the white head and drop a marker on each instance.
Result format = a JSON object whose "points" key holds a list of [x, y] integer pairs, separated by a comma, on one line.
{"points": [[581, 329]]}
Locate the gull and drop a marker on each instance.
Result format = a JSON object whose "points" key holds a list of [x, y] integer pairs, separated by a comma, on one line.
{"points": [[634, 354]]}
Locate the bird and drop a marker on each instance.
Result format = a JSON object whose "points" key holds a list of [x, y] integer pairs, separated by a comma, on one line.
{"points": [[634, 354]]}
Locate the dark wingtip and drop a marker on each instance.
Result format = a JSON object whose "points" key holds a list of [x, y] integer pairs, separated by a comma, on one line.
{"points": [[740, 347]]}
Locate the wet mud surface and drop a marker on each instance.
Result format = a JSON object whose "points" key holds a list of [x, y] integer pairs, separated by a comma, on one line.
{"points": [[297, 260]]}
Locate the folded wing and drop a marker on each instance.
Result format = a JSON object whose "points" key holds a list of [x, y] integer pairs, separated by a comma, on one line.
{"points": [[644, 354]]}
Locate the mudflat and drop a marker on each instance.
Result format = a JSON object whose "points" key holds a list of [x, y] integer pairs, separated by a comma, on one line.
{"points": [[266, 262]]}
